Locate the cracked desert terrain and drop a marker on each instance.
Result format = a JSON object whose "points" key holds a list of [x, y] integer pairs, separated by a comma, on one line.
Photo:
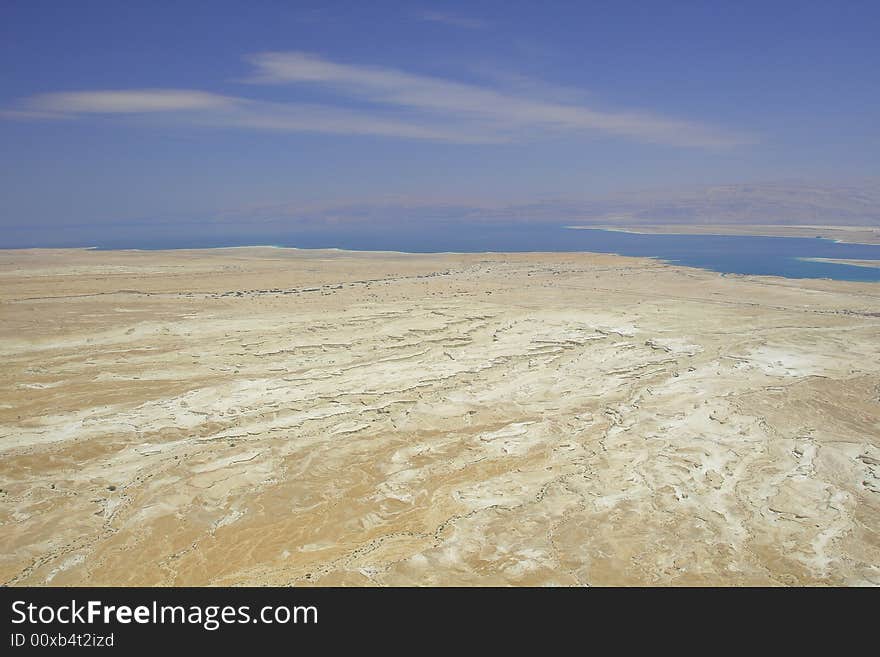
{"points": [[275, 416]]}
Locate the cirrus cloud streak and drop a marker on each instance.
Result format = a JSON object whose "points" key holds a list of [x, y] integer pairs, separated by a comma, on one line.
{"points": [[368, 100]]}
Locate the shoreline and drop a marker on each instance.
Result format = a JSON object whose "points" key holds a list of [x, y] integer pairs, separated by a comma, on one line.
{"points": [[850, 262], [865, 235], [311, 252]]}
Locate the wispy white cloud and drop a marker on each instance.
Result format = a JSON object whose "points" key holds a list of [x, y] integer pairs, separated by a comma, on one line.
{"points": [[214, 110], [305, 117], [128, 101], [381, 102], [502, 112], [447, 18]]}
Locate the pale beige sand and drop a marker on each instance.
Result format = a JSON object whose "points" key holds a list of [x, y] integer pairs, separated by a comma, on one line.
{"points": [[262, 416], [847, 261], [849, 234]]}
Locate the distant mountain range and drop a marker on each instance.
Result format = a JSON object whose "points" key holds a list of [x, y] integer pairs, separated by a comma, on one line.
{"points": [[768, 204], [856, 204], [748, 204]]}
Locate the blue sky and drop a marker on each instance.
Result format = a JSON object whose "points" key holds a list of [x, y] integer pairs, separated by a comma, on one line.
{"points": [[113, 114]]}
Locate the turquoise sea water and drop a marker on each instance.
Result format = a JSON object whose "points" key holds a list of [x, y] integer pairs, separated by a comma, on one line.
{"points": [[770, 256]]}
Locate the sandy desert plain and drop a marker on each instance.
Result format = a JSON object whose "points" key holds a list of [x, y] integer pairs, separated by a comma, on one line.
{"points": [[274, 416]]}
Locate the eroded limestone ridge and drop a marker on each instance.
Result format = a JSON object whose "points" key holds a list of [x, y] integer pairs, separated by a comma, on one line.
{"points": [[268, 416]]}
